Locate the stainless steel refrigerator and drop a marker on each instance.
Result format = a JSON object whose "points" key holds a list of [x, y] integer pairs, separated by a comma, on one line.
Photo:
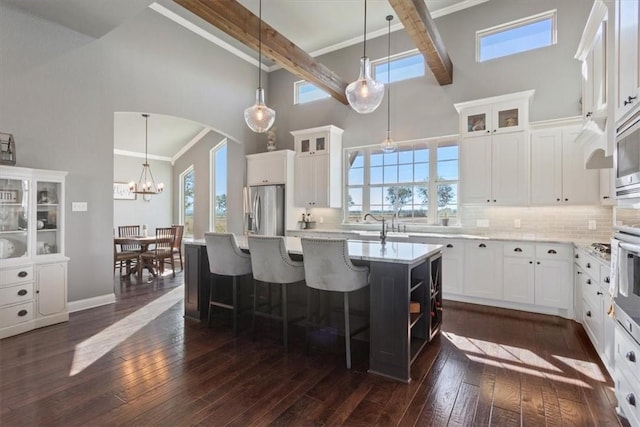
{"points": [[265, 210]]}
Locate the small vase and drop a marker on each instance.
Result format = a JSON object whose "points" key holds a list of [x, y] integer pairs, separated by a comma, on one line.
{"points": [[445, 221]]}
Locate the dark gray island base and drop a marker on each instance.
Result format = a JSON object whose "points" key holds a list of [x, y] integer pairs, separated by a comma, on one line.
{"points": [[400, 273]]}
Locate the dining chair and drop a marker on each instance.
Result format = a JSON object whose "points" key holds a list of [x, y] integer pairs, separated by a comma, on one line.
{"points": [[122, 258], [225, 260], [327, 267], [177, 243], [162, 252], [127, 231], [271, 264]]}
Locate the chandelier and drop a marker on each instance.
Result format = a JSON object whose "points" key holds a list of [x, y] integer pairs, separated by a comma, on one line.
{"points": [[146, 184]]}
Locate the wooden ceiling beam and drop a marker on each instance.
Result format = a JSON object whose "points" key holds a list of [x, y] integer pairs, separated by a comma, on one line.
{"points": [[418, 23], [238, 22]]}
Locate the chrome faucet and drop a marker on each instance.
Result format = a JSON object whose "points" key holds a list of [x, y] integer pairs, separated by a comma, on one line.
{"points": [[383, 233]]}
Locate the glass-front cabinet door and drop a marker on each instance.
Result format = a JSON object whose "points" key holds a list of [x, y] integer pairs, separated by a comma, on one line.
{"points": [[48, 217], [14, 218]]}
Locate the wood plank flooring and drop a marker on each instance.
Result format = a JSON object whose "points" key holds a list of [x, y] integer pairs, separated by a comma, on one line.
{"points": [[139, 363]]}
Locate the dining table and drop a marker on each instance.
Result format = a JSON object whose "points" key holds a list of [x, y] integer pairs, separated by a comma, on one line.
{"points": [[144, 242], [400, 275]]}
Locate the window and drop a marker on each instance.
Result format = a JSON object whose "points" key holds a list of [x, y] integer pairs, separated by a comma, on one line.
{"points": [[403, 66], [518, 36], [306, 92], [187, 187], [400, 183], [218, 162]]}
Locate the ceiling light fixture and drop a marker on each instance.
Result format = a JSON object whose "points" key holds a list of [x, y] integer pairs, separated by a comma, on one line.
{"points": [[259, 117], [389, 145], [146, 184], [365, 94]]}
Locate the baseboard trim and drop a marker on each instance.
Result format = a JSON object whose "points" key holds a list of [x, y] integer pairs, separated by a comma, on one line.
{"points": [[87, 303]]}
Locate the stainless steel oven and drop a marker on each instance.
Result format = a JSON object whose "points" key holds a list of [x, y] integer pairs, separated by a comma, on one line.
{"points": [[627, 159], [628, 277]]}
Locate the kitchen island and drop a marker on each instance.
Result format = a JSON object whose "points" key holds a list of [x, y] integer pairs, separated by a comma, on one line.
{"points": [[400, 273]]}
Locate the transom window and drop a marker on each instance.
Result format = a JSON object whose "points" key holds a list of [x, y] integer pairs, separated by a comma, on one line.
{"points": [[403, 66], [518, 36], [306, 92], [401, 183]]}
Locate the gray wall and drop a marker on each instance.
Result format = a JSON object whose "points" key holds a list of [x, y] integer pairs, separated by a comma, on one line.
{"points": [[59, 91], [420, 107], [199, 157], [157, 212]]}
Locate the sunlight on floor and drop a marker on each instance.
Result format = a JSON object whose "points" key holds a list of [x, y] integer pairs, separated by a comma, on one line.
{"points": [[517, 359], [588, 369], [92, 349]]}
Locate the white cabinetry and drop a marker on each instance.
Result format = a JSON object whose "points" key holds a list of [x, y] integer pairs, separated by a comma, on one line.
{"points": [[538, 274], [494, 169], [627, 375], [318, 175], [453, 267], [558, 175], [483, 269], [33, 280], [268, 168], [627, 46], [494, 150], [607, 187]]}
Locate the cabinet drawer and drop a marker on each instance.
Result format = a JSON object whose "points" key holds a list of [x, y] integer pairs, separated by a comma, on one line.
{"points": [[16, 275], [627, 355], [591, 290], [553, 251], [605, 276], [589, 264], [519, 250], [628, 397], [16, 314], [17, 293], [592, 322]]}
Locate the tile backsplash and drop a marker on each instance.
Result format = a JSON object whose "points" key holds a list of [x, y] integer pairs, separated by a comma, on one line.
{"points": [[565, 223]]}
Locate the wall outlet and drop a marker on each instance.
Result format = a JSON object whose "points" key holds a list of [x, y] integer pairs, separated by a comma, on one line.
{"points": [[321, 220], [516, 223], [79, 206], [592, 224], [482, 223]]}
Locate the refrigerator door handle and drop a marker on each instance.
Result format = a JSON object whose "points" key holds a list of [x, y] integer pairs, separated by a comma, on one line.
{"points": [[256, 214]]}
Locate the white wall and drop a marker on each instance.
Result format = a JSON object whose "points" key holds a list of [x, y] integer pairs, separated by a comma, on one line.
{"points": [[59, 91]]}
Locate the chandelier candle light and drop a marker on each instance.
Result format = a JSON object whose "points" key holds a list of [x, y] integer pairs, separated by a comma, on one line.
{"points": [[389, 145], [146, 184], [365, 94], [259, 117]]}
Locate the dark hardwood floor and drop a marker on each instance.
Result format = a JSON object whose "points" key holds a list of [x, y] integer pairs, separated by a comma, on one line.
{"points": [[138, 362]]}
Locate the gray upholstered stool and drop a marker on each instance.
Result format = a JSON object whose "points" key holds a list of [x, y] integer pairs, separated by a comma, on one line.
{"points": [[272, 265], [226, 259], [327, 267]]}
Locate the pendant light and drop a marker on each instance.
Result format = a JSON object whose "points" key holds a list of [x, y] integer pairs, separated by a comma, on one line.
{"points": [[365, 94], [259, 117], [146, 184], [389, 145]]}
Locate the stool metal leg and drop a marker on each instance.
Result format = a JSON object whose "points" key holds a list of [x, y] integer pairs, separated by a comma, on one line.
{"points": [[306, 337], [255, 307], [347, 330], [285, 318], [235, 306]]}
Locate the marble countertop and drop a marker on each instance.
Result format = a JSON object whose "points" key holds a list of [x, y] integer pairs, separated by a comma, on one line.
{"points": [[393, 252]]}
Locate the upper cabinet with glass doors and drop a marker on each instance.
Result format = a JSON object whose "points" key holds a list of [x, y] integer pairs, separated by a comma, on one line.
{"points": [[31, 214], [500, 114], [316, 141]]}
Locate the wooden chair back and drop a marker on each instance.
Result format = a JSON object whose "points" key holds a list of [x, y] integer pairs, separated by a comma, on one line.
{"points": [[127, 231], [164, 241], [177, 242]]}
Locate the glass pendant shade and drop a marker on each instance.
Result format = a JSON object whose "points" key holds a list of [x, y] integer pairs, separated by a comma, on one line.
{"points": [[388, 145], [259, 117], [365, 94]]}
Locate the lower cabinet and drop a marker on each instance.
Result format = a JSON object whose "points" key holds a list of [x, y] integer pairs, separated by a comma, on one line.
{"points": [[483, 269], [627, 375], [453, 267], [32, 296]]}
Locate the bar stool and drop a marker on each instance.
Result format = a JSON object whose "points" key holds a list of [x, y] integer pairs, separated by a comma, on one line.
{"points": [[226, 259], [271, 264], [327, 267]]}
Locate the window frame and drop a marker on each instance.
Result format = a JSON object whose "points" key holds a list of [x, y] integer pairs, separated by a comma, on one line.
{"points": [[296, 92], [549, 14], [181, 213], [396, 57], [432, 144], [212, 183]]}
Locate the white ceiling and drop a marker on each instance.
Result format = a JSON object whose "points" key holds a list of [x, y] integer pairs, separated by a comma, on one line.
{"points": [[316, 26]]}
